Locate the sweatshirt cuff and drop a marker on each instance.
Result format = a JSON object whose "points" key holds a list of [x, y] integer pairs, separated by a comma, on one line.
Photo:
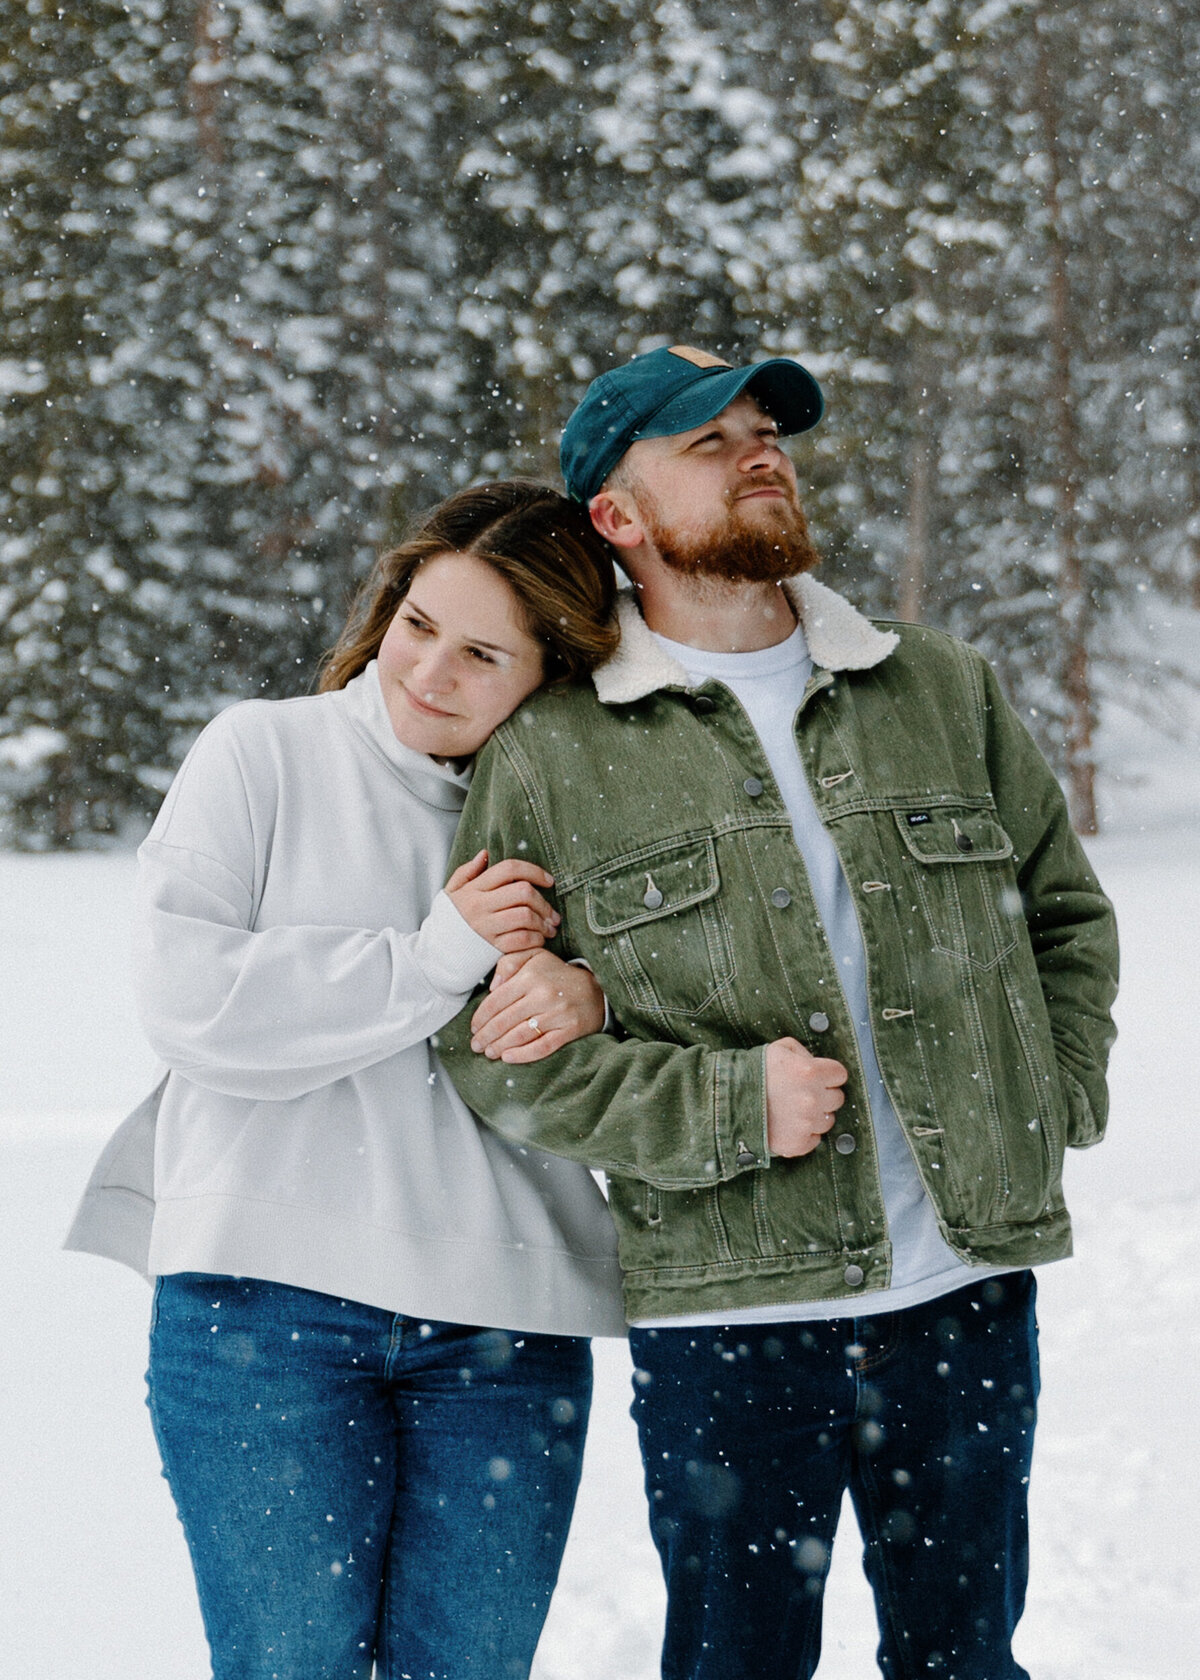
{"points": [[452, 955]]}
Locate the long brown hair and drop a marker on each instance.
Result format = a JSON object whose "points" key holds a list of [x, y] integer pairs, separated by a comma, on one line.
{"points": [[539, 542]]}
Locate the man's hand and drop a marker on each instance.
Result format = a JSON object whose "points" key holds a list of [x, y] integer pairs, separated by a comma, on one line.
{"points": [[502, 903], [804, 1093], [535, 1005]]}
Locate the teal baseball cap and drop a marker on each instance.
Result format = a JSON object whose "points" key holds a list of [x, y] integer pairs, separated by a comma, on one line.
{"points": [[669, 391]]}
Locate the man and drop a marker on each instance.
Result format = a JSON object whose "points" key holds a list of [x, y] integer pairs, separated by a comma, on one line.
{"points": [[862, 974]]}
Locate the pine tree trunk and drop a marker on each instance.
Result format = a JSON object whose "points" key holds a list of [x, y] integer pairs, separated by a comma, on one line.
{"points": [[384, 430], [919, 377], [204, 84], [912, 582], [1073, 603]]}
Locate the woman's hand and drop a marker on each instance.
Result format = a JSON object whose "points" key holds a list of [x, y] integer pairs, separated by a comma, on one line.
{"points": [[536, 1004], [503, 904]]}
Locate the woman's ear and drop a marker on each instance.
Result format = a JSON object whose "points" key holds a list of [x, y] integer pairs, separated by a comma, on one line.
{"points": [[616, 518]]}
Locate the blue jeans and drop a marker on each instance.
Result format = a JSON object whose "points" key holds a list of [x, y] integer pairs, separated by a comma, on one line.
{"points": [[359, 1487], [750, 1436]]}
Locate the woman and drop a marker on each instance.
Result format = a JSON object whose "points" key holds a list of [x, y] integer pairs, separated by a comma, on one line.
{"points": [[368, 1375]]}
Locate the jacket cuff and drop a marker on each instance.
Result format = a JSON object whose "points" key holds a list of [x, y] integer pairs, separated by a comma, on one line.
{"points": [[741, 1111], [451, 954]]}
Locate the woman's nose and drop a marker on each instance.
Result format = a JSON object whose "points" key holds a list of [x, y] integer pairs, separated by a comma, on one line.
{"points": [[432, 673]]}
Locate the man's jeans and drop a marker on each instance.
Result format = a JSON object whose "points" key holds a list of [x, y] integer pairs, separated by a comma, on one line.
{"points": [[750, 1435], [358, 1486]]}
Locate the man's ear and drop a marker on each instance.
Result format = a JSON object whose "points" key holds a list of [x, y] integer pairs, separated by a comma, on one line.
{"points": [[616, 519]]}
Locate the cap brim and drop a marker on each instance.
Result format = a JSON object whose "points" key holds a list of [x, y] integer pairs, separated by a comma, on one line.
{"points": [[788, 392]]}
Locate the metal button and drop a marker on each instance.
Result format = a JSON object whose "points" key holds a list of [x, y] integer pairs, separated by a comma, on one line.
{"points": [[819, 1021], [853, 1275], [704, 703], [845, 1144], [747, 1158], [753, 786], [652, 899], [781, 898], [964, 842]]}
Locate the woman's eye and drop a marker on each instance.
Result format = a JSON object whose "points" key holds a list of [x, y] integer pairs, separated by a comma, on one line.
{"points": [[484, 658], [417, 624]]}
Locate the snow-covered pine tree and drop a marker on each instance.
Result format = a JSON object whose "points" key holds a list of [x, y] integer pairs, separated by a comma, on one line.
{"points": [[695, 153], [529, 296], [1146, 65], [1070, 366], [218, 273], [974, 209], [382, 265], [908, 228], [1170, 99], [274, 276], [617, 184], [92, 691], [276, 529]]}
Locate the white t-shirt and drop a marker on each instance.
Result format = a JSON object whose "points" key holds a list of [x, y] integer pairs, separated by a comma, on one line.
{"points": [[769, 683]]}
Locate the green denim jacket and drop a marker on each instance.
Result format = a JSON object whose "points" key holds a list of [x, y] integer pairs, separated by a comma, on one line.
{"points": [[991, 958]]}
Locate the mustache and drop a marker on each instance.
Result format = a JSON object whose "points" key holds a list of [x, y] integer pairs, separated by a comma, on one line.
{"points": [[772, 481]]}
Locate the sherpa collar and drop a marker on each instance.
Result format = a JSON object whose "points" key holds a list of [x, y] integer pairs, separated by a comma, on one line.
{"points": [[839, 638]]}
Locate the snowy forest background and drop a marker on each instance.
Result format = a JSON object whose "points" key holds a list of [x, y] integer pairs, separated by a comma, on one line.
{"points": [[277, 274]]}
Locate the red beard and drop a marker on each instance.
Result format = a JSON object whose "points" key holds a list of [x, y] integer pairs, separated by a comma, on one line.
{"points": [[738, 550]]}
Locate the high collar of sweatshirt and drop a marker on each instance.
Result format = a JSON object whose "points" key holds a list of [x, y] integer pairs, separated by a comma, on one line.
{"points": [[362, 705]]}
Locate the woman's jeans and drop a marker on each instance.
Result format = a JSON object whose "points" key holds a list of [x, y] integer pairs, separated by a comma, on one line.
{"points": [[359, 1487], [750, 1435]]}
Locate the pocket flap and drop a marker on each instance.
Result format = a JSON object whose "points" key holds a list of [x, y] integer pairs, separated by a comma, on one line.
{"points": [[659, 884], [934, 835]]}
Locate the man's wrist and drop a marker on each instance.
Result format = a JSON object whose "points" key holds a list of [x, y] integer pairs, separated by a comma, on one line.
{"points": [[610, 1020]]}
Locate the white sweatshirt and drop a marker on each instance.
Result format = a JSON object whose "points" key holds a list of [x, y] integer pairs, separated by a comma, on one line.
{"points": [[295, 956]]}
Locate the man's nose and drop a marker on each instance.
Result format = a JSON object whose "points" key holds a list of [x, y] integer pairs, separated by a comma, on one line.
{"points": [[761, 455]]}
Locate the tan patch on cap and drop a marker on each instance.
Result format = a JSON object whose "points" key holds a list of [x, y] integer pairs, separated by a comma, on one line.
{"points": [[698, 358]]}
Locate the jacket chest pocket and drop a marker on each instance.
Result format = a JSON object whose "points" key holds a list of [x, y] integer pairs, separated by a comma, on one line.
{"points": [[964, 881], [664, 929]]}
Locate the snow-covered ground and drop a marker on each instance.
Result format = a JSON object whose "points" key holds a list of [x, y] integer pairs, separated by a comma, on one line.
{"points": [[94, 1582]]}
